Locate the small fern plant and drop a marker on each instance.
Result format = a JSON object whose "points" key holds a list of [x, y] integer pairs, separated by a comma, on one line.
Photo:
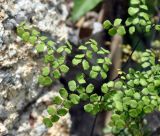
{"points": [[130, 97]]}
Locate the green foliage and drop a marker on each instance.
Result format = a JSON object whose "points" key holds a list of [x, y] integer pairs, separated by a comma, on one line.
{"points": [[81, 7], [114, 28], [91, 49], [133, 103], [139, 18], [56, 66], [53, 54], [134, 95]]}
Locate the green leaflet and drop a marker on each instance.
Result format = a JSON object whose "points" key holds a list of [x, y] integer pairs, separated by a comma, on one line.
{"points": [[74, 98], [63, 92], [85, 65], [47, 122], [107, 24], [45, 80], [72, 85], [104, 88], [57, 100], [51, 110], [54, 118], [88, 107], [45, 71], [62, 112], [90, 88], [64, 68]]}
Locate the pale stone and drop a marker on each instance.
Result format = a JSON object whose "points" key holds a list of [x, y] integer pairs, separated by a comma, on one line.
{"points": [[22, 100]]}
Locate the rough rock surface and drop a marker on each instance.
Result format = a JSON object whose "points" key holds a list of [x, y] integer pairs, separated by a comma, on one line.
{"points": [[22, 101]]}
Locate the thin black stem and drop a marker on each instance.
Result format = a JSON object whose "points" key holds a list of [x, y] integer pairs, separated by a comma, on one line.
{"points": [[130, 56], [93, 126]]}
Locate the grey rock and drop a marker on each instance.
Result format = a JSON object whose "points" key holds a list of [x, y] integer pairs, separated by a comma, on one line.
{"points": [[1, 35], [10, 24], [21, 16], [12, 53], [39, 130], [3, 113], [21, 98], [3, 130]]}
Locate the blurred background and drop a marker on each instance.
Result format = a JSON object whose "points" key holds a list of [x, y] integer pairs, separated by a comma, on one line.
{"points": [[23, 102]]}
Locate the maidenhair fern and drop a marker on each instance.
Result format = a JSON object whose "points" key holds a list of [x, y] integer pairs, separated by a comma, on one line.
{"points": [[130, 98], [138, 18]]}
